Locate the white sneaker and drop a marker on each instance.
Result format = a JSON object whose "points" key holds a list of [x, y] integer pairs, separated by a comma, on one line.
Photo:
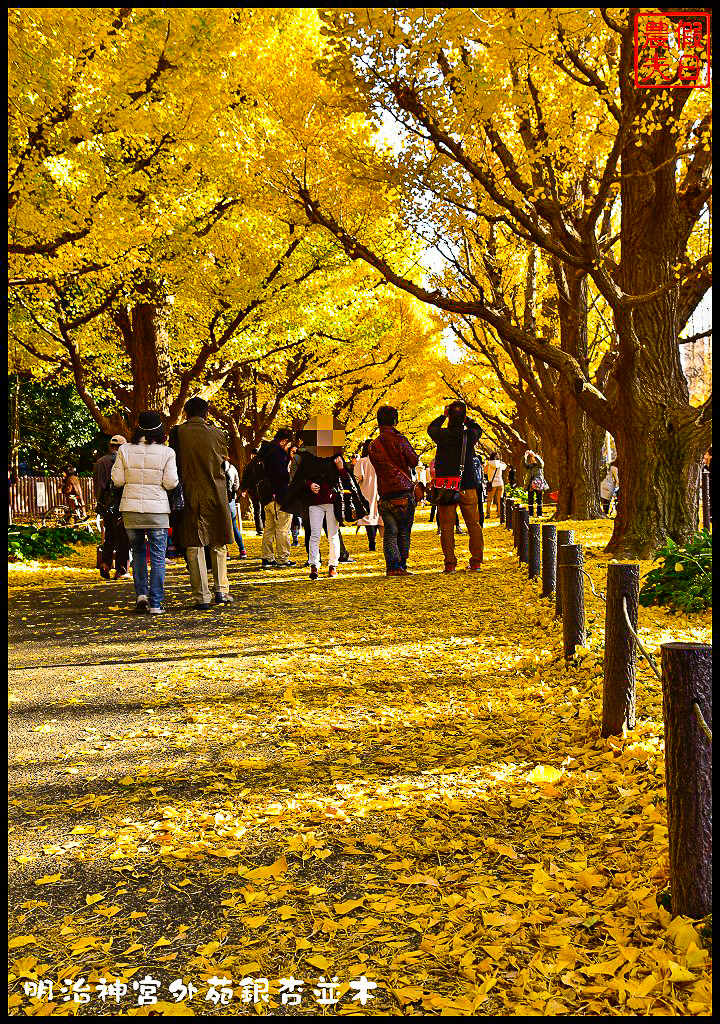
{"points": [[141, 605], [157, 611]]}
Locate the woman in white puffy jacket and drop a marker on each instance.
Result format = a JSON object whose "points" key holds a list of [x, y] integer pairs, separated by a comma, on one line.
{"points": [[146, 470]]}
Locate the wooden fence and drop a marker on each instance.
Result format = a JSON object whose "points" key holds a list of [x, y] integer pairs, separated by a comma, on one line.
{"points": [[34, 495]]}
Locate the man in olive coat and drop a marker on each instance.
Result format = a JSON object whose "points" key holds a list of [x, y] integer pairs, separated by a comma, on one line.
{"points": [[205, 521]]}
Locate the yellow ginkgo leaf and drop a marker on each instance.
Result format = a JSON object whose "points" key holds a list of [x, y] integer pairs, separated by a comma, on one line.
{"points": [[319, 961], [345, 908], [254, 922], [680, 974]]}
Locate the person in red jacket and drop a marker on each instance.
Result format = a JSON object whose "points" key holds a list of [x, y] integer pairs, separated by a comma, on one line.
{"points": [[394, 458]]}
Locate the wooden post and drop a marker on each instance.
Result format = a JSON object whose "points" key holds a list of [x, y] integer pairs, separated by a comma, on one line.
{"points": [[509, 506], [549, 558], [706, 500], [573, 599], [516, 525], [564, 537], [502, 510], [522, 545], [534, 550], [686, 681], [623, 581]]}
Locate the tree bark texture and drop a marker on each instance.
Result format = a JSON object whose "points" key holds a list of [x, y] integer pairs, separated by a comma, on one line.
{"points": [[623, 581], [658, 439], [686, 679], [564, 537], [549, 558], [144, 330], [573, 599], [580, 447]]}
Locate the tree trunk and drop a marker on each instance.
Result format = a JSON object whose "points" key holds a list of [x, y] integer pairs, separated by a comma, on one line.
{"points": [[581, 439], [150, 361], [659, 471], [579, 461], [551, 458], [658, 442], [147, 345]]}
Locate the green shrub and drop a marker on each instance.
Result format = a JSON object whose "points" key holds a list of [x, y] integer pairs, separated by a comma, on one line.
{"points": [[516, 493], [683, 580], [30, 543]]}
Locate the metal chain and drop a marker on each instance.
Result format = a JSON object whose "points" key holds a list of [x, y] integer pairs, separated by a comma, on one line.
{"points": [[701, 721], [652, 664]]}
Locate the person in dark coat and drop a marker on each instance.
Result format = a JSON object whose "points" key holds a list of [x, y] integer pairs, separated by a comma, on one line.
{"points": [[449, 441], [249, 489], [116, 545], [201, 450], [394, 459], [275, 456]]}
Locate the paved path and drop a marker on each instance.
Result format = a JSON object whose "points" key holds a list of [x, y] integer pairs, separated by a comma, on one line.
{"points": [[82, 663], [297, 692]]}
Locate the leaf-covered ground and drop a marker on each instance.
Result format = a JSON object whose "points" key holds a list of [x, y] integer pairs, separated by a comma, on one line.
{"points": [[390, 779]]}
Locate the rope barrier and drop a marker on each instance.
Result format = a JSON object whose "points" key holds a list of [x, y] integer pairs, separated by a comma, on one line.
{"points": [[696, 708], [701, 721], [601, 596], [649, 660]]}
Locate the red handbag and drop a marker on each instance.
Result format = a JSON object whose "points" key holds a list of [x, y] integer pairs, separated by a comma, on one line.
{"points": [[445, 490]]}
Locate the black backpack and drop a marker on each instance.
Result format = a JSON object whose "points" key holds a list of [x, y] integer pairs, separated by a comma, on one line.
{"points": [[255, 479], [108, 500]]}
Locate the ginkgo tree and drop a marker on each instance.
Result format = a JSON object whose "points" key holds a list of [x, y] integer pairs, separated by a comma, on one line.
{"points": [[312, 317], [570, 442], [377, 350], [531, 119], [161, 262]]}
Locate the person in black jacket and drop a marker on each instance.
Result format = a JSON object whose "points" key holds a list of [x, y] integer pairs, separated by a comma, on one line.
{"points": [[248, 487], [275, 456], [449, 441]]}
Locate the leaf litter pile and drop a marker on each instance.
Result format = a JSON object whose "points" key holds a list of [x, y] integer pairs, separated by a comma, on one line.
{"points": [[396, 780]]}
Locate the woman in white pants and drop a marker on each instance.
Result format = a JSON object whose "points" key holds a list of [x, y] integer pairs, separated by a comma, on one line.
{"points": [[315, 484]]}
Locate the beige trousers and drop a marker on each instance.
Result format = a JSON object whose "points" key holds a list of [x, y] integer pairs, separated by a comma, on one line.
{"points": [[493, 498], [446, 521], [276, 535], [195, 558]]}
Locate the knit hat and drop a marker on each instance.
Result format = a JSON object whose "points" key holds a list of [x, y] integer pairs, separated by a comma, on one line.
{"points": [[150, 420], [118, 439]]}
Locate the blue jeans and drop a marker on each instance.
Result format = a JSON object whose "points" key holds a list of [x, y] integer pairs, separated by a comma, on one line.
{"points": [[238, 536], [156, 546], [398, 522]]}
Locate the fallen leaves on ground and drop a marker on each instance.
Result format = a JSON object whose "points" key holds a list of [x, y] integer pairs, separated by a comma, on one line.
{"points": [[408, 784]]}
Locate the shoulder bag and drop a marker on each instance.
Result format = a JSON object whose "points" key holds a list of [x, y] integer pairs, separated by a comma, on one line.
{"points": [[176, 497], [350, 504]]}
